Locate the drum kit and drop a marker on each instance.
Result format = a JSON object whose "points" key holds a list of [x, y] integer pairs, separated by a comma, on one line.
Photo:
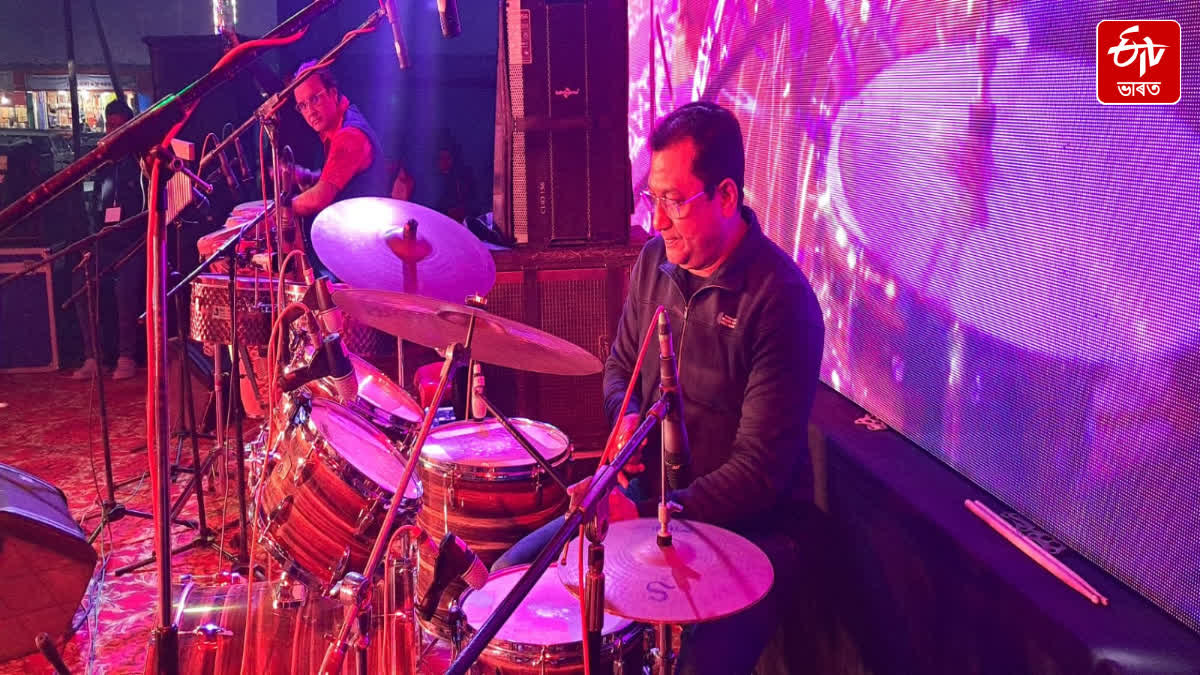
{"points": [[340, 560]]}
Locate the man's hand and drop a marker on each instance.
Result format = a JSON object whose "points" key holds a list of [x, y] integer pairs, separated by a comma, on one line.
{"points": [[625, 427], [620, 507]]}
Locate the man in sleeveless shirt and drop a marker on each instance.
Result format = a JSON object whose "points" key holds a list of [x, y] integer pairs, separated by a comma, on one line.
{"points": [[354, 163]]}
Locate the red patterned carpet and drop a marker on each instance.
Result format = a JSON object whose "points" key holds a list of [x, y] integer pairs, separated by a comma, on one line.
{"points": [[49, 427]]}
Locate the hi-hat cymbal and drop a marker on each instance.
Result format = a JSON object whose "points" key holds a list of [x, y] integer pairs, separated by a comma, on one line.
{"points": [[374, 242], [437, 324], [706, 573]]}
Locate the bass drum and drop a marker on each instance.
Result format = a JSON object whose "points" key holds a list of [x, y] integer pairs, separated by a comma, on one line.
{"points": [[217, 614]]}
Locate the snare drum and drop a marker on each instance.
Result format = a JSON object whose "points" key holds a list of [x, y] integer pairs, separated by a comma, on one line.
{"points": [[482, 486], [543, 634], [327, 490], [210, 308]]}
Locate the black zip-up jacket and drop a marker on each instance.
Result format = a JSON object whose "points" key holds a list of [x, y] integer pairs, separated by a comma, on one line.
{"points": [[749, 346]]}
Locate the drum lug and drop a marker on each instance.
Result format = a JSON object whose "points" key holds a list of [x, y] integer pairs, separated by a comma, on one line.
{"points": [[280, 513], [304, 470], [366, 517], [537, 488], [339, 570], [210, 635], [288, 595]]}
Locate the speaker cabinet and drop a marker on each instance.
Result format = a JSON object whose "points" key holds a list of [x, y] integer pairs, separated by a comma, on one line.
{"points": [[576, 295], [45, 562], [562, 130]]}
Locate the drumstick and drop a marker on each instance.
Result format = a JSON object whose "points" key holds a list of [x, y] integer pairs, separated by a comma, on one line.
{"points": [[1040, 556]]}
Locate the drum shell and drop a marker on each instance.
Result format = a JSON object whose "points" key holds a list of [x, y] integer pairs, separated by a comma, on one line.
{"points": [[311, 517], [504, 657], [210, 308], [488, 509], [287, 637]]}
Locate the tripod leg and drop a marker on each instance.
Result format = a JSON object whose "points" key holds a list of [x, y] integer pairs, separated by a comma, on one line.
{"points": [[110, 509]]}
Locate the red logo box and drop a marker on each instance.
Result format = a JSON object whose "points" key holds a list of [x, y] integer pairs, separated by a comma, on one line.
{"points": [[1138, 62]]}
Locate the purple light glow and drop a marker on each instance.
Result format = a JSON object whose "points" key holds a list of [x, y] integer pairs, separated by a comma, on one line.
{"points": [[1025, 309]]}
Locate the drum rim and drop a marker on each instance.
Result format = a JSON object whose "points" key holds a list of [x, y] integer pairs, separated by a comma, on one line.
{"points": [[552, 655], [492, 474]]}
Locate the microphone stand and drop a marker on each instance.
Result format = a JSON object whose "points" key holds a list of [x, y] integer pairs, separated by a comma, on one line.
{"points": [[110, 509], [152, 132], [353, 589], [228, 250], [86, 242], [603, 481]]}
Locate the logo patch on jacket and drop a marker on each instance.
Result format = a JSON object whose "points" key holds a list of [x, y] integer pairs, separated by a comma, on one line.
{"points": [[726, 320]]}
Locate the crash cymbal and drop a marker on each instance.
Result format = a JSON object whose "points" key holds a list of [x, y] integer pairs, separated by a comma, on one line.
{"points": [[706, 573], [374, 242], [437, 324]]}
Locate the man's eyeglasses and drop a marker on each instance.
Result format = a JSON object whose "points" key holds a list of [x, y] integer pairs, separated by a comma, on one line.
{"points": [[673, 207], [313, 101]]}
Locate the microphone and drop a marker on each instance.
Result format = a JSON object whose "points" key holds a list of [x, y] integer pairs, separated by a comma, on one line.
{"points": [[328, 315], [46, 646], [393, 18], [243, 167], [478, 409], [341, 369], [228, 173], [676, 453], [455, 560], [448, 13]]}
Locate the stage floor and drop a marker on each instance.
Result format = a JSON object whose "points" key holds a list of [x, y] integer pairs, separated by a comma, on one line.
{"points": [[50, 427]]}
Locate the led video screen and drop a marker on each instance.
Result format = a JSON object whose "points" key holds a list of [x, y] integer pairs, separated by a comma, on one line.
{"points": [[1009, 269]]}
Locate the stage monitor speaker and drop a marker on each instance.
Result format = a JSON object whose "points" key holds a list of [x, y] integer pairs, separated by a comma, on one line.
{"points": [[562, 138], [45, 562]]}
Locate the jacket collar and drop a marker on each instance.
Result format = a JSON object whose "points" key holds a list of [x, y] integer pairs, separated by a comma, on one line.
{"points": [[731, 275]]}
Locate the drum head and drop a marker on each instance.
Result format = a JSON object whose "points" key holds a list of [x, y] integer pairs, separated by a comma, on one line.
{"points": [[360, 445], [381, 392], [549, 615], [488, 445]]}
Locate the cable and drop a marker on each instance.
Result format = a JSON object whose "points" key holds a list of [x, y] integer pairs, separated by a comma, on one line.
{"points": [[610, 449], [255, 44]]}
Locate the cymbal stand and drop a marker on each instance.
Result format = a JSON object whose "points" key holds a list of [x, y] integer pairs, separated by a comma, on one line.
{"points": [[353, 589], [663, 655], [603, 481], [110, 509], [519, 437]]}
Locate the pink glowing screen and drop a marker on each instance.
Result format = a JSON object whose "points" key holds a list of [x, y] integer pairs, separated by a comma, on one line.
{"points": [[1024, 304]]}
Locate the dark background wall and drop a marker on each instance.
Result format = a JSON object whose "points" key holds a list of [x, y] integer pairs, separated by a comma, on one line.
{"points": [[449, 89]]}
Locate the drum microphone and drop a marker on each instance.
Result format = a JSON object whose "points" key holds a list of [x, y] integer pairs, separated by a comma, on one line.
{"points": [[448, 13], [455, 560], [393, 19], [677, 453], [341, 370], [46, 646], [329, 317], [228, 173], [330, 361]]}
